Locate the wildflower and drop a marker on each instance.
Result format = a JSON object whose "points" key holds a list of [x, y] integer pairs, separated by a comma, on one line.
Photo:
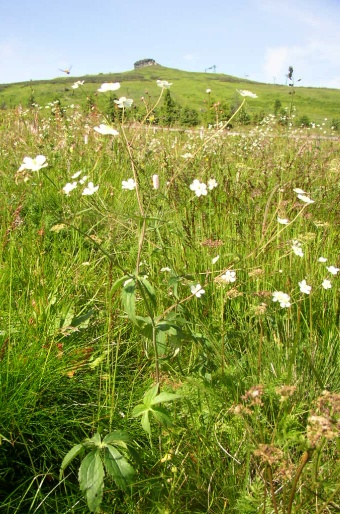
{"points": [[215, 259], [166, 268], [305, 199], [245, 92], [283, 221], [187, 155], [333, 270], [199, 188], [282, 298], [299, 191], [124, 102], [322, 259], [109, 86], [296, 247], [326, 284], [304, 287], [208, 91], [106, 130], [212, 184], [83, 179], [33, 164], [69, 187], [164, 84], [77, 84], [128, 184], [155, 181], [90, 189], [76, 175], [197, 290], [228, 277]]}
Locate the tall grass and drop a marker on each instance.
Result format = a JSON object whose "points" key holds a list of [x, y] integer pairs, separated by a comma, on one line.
{"points": [[98, 306]]}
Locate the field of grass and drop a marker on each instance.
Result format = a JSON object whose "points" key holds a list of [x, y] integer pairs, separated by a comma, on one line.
{"points": [[170, 312], [188, 89]]}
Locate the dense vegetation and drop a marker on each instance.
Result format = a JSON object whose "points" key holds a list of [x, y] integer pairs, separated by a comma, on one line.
{"points": [[169, 314]]}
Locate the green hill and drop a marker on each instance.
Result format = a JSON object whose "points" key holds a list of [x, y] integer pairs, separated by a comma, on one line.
{"points": [[188, 89]]}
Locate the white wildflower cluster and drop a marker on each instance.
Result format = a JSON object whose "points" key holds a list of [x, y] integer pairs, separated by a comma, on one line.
{"points": [[296, 247], [106, 130], [302, 195], [77, 84], [35, 164], [89, 190], [201, 189]]}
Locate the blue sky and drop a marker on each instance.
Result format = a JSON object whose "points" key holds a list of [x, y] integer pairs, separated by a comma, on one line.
{"points": [[258, 39]]}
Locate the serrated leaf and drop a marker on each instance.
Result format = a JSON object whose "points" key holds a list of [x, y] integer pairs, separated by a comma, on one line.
{"points": [[118, 467], [164, 397], [72, 454], [150, 394], [91, 479], [162, 416], [146, 423]]}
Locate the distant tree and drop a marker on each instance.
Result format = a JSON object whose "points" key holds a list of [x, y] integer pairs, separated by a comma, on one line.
{"points": [[303, 121], [189, 117], [170, 111], [277, 106], [243, 117]]}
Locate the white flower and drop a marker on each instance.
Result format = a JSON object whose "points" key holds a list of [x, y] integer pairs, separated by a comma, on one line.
{"points": [[33, 164], [76, 175], [228, 277], [128, 184], [197, 290], [69, 187], [299, 191], [90, 189], [283, 221], [245, 92], [304, 287], [282, 298], [166, 268], [164, 84], [124, 102], [208, 91], [77, 84], [106, 130], [333, 270], [187, 155], [82, 180], [155, 181], [199, 188], [296, 247], [212, 184], [326, 284], [215, 259], [109, 86], [305, 199], [322, 259]]}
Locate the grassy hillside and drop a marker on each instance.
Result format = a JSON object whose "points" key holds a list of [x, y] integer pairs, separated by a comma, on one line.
{"points": [[188, 89]]}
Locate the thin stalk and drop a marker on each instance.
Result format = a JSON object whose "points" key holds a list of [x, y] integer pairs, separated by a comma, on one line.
{"points": [[304, 459]]}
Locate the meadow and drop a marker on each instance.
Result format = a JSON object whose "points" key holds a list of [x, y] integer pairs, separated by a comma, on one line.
{"points": [[170, 311]]}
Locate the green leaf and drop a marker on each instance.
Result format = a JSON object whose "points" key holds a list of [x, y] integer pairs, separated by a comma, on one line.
{"points": [[74, 452], [150, 394], [118, 467], [165, 397], [162, 416], [91, 479], [139, 410], [116, 437], [146, 423], [118, 284], [82, 320], [148, 288], [129, 299]]}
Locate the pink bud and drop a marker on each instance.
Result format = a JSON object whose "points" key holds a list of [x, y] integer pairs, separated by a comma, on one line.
{"points": [[155, 181]]}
